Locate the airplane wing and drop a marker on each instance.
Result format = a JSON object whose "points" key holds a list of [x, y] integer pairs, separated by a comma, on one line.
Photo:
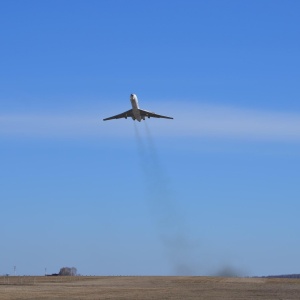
{"points": [[145, 113], [125, 114]]}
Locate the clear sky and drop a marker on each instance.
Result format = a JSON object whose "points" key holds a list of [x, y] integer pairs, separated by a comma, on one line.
{"points": [[214, 191]]}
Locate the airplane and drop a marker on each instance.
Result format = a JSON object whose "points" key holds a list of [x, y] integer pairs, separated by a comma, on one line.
{"points": [[136, 113]]}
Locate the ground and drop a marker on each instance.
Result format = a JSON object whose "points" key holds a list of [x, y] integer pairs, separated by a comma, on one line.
{"points": [[152, 287]]}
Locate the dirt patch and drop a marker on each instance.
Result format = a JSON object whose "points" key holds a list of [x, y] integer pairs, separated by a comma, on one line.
{"points": [[153, 287]]}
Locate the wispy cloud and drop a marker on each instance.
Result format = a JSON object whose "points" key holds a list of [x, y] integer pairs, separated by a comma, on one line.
{"points": [[48, 125], [194, 120], [230, 122]]}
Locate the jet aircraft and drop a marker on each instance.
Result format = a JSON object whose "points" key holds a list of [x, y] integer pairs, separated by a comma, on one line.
{"points": [[136, 113]]}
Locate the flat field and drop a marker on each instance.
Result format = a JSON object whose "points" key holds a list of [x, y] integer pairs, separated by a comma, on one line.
{"points": [[147, 287]]}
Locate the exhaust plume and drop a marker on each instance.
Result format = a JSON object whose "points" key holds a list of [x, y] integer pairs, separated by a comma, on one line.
{"points": [[180, 250]]}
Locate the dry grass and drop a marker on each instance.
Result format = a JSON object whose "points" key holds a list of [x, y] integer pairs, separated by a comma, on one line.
{"points": [[81, 287]]}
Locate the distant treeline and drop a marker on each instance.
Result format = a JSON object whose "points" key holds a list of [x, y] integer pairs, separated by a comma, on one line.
{"points": [[65, 271], [281, 276]]}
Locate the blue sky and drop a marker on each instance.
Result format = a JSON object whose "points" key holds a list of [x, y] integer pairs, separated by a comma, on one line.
{"points": [[215, 190]]}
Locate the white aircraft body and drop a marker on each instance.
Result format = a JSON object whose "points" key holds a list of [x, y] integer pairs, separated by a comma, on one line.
{"points": [[136, 113]]}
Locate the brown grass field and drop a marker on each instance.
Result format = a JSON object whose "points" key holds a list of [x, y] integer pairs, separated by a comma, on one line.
{"points": [[147, 287]]}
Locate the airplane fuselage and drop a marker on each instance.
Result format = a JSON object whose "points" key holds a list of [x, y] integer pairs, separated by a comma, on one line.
{"points": [[135, 107]]}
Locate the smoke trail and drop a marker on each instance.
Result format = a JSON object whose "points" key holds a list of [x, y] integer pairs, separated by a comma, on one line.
{"points": [[172, 230], [140, 143], [184, 253]]}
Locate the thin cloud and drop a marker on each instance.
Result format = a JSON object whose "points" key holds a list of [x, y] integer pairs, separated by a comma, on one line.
{"points": [[189, 121], [229, 122], [48, 125]]}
